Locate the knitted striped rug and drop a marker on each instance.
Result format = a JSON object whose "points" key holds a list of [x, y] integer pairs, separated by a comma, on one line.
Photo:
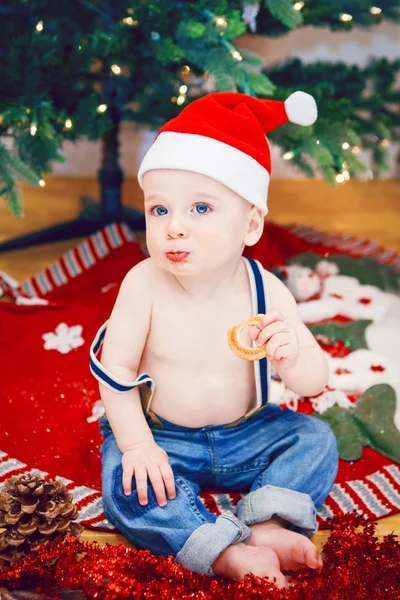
{"points": [[50, 399]]}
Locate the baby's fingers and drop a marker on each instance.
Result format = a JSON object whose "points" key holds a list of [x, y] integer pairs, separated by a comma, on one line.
{"points": [[169, 480], [127, 475], [254, 332]]}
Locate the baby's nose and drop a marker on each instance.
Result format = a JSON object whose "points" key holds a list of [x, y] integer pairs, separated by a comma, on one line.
{"points": [[176, 229]]}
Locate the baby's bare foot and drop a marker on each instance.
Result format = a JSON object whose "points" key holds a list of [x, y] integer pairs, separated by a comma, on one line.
{"points": [[294, 550], [238, 560]]}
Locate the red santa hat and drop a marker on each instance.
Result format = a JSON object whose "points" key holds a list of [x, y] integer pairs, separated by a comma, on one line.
{"points": [[222, 135]]}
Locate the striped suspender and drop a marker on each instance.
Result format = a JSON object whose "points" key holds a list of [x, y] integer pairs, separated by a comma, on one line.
{"points": [[105, 377], [261, 367], [260, 299]]}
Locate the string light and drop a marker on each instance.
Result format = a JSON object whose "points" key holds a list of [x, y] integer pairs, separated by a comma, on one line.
{"points": [[288, 156], [42, 183], [185, 70], [33, 129], [345, 17], [129, 21], [236, 55], [116, 69], [384, 143], [345, 145], [68, 123], [298, 5], [344, 165], [355, 149], [339, 178], [346, 175], [375, 10], [102, 108], [221, 21], [39, 26], [181, 100], [317, 142], [183, 89]]}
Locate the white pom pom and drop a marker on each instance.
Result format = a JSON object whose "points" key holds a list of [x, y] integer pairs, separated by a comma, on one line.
{"points": [[301, 108]]}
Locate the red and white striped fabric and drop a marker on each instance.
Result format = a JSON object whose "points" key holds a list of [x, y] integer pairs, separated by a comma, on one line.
{"points": [[48, 392]]}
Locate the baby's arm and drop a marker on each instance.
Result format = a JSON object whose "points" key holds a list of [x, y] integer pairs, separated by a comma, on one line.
{"points": [[290, 346], [124, 342], [123, 346]]}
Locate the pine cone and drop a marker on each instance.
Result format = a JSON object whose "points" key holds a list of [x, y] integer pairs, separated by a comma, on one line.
{"points": [[34, 511]]}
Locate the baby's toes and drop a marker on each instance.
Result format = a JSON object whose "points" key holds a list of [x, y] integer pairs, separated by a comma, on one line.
{"points": [[299, 552], [312, 557], [305, 553]]}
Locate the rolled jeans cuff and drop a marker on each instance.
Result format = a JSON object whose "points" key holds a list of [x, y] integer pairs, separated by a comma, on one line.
{"points": [[270, 501], [208, 541]]}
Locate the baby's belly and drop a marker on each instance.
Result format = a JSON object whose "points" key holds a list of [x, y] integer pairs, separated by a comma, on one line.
{"points": [[200, 398]]}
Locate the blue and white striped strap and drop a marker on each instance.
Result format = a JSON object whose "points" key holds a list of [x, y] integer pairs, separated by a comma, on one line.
{"points": [[260, 301], [108, 379]]}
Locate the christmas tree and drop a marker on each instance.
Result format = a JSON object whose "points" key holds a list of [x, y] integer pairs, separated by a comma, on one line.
{"points": [[79, 68]]}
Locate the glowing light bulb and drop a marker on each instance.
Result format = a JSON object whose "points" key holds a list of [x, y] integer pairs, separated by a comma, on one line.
{"points": [[102, 108], [33, 129], [346, 175], [288, 156], [317, 142], [345, 17], [68, 123], [116, 69], [236, 55], [185, 70], [375, 10], [384, 143], [128, 21], [355, 149], [345, 145], [180, 100], [298, 5], [339, 178], [42, 183], [183, 89], [39, 26], [221, 21]]}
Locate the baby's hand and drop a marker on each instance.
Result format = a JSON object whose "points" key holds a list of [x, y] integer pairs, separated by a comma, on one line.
{"points": [[148, 459], [279, 335]]}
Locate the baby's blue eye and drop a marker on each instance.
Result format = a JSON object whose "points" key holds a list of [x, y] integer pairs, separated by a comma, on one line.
{"points": [[202, 206], [157, 208]]}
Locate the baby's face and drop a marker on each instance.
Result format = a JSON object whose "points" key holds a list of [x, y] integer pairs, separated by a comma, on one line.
{"points": [[195, 215]]}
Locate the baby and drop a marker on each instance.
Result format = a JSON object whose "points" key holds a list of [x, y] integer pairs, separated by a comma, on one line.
{"points": [[198, 416]]}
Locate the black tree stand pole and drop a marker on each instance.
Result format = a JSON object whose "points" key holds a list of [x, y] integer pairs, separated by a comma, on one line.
{"points": [[95, 215]]}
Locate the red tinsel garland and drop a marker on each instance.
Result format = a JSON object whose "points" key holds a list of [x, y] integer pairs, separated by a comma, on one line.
{"points": [[356, 567]]}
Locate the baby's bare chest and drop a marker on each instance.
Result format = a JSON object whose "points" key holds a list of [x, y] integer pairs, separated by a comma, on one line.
{"points": [[194, 335]]}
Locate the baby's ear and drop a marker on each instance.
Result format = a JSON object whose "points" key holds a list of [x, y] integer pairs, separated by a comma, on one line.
{"points": [[255, 226]]}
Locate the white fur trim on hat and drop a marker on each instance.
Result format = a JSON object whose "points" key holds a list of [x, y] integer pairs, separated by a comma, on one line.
{"points": [[301, 108], [200, 154]]}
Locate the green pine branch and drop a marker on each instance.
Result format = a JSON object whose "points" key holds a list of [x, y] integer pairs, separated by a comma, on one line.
{"points": [[58, 77]]}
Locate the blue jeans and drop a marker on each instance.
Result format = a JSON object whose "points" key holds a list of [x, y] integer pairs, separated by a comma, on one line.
{"points": [[285, 461]]}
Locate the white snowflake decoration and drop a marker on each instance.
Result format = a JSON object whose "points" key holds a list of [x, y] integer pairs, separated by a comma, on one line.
{"points": [[64, 339]]}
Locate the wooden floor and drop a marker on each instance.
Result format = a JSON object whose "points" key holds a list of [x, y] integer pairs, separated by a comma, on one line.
{"points": [[367, 209]]}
